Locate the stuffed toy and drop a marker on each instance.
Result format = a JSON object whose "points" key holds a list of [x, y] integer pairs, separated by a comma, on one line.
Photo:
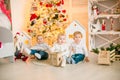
{"points": [[20, 41]]}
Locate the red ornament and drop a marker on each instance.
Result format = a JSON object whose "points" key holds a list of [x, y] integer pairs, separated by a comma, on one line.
{"points": [[62, 1], [47, 5], [103, 25], [29, 30], [18, 33], [41, 3], [50, 5], [63, 11], [44, 22], [65, 19], [33, 16], [58, 4]]}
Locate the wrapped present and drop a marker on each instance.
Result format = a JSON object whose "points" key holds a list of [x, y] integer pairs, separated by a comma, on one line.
{"points": [[104, 57], [56, 59]]}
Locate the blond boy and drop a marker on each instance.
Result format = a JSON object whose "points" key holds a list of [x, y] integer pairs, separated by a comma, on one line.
{"points": [[78, 48]]}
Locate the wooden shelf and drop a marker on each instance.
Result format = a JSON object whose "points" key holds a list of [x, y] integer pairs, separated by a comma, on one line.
{"points": [[105, 32], [107, 16], [103, 12]]}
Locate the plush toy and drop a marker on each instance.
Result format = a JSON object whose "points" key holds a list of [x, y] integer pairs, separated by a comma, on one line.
{"points": [[95, 10], [21, 42], [103, 25], [96, 27]]}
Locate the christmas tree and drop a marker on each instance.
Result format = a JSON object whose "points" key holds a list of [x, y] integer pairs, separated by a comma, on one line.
{"points": [[47, 17]]}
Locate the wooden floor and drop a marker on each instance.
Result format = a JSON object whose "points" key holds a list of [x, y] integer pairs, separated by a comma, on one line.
{"points": [[39, 71]]}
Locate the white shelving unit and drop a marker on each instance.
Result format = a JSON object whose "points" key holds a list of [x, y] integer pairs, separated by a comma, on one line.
{"points": [[107, 13]]}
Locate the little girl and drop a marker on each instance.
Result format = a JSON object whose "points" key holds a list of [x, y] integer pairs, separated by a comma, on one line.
{"points": [[61, 47], [78, 48], [40, 50]]}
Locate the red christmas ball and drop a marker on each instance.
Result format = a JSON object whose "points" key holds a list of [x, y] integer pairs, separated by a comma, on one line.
{"points": [[63, 11], [58, 4], [47, 5], [44, 22], [29, 30], [50, 5], [65, 19], [18, 33], [33, 16], [41, 3]]}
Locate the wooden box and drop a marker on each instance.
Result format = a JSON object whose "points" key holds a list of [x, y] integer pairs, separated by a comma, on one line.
{"points": [[117, 57], [104, 57], [56, 59]]}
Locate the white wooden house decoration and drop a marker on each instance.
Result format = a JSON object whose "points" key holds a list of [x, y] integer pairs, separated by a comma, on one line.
{"points": [[6, 38], [75, 26], [7, 45], [4, 21], [23, 40]]}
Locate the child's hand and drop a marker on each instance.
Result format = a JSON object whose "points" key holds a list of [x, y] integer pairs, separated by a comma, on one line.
{"points": [[86, 59]]}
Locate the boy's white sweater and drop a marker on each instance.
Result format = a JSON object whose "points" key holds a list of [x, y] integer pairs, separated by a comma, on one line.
{"points": [[79, 48], [63, 48]]}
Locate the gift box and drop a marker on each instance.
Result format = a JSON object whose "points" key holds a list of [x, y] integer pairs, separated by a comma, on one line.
{"points": [[104, 57], [56, 59]]}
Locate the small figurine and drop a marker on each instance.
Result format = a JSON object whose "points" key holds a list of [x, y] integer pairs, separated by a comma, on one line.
{"points": [[111, 28], [95, 10], [103, 24]]}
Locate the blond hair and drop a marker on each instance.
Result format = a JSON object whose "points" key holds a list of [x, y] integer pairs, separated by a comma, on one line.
{"points": [[77, 32], [61, 34], [39, 35]]}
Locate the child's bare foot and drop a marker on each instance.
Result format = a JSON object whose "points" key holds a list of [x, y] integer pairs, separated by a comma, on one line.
{"points": [[32, 57], [27, 60], [86, 59]]}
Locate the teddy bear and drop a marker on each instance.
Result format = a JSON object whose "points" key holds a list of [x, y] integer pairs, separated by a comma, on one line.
{"points": [[19, 46]]}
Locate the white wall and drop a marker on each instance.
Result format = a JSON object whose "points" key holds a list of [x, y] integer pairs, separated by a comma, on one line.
{"points": [[18, 12]]}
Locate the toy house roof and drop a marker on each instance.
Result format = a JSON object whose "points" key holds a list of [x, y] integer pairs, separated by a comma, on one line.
{"points": [[75, 26]]}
